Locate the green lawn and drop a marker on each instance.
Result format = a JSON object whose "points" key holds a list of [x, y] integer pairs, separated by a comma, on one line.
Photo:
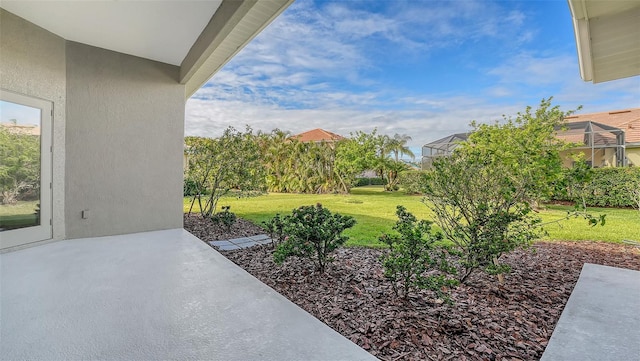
{"points": [[18, 215], [620, 224], [374, 211]]}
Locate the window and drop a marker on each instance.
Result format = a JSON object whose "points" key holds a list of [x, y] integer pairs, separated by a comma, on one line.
{"points": [[25, 169]]}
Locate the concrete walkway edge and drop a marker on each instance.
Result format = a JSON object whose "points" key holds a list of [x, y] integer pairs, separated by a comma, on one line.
{"points": [[601, 320]]}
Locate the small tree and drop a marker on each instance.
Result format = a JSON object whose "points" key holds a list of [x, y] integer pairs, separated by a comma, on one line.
{"points": [[392, 170], [353, 156], [482, 195], [480, 210], [219, 166], [414, 251], [525, 147], [577, 178], [313, 232]]}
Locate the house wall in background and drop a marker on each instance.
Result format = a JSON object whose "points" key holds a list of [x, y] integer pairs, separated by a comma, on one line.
{"points": [[585, 154], [633, 155], [124, 143]]}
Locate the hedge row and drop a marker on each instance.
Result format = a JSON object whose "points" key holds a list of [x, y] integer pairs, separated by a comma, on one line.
{"points": [[369, 182], [413, 181], [607, 187]]}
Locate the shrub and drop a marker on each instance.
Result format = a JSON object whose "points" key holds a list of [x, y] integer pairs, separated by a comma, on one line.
{"points": [[482, 212], [225, 219], [604, 187], [189, 188], [413, 181], [369, 182], [228, 164], [275, 227], [482, 195], [413, 251], [313, 232]]}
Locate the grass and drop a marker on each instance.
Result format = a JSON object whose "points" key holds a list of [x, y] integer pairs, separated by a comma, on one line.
{"points": [[374, 210], [621, 224], [18, 215]]}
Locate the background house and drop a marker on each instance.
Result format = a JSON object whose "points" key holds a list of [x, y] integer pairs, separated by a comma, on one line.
{"points": [[441, 148], [317, 136], [605, 139], [21, 129]]}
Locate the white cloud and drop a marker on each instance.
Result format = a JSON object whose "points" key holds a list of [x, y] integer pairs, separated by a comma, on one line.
{"points": [[529, 74], [310, 45], [532, 70], [423, 124], [311, 68], [612, 95]]}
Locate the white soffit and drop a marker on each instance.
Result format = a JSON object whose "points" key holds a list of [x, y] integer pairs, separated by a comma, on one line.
{"points": [[158, 30], [607, 38], [249, 18]]}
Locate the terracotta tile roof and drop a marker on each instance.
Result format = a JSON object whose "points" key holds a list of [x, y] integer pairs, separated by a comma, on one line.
{"points": [[22, 129], [626, 119], [317, 135]]}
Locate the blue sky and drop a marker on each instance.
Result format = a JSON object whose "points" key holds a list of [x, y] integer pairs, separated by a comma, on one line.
{"points": [[422, 68], [23, 115]]}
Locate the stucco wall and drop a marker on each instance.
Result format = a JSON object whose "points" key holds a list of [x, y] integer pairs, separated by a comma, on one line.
{"points": [[32, 62], [601, 159], [124, 143], [633, 156]]}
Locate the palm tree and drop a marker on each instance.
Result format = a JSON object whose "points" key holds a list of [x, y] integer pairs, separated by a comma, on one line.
{"points": [[398, 146], [275, 152], [388, 167]]}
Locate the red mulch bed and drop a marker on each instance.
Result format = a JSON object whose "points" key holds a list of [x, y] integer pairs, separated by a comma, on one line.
{"points": [[486, 321], [209, 231]]}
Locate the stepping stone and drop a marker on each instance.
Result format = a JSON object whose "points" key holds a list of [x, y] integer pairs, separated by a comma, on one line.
{"points": [[224, 245], [247, 244], [231, 247], [240, 240], [220, 243], [238, 243]]}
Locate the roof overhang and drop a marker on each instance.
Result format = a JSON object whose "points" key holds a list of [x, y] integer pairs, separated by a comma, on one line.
{"points": [[607, 38], [199, 36]]}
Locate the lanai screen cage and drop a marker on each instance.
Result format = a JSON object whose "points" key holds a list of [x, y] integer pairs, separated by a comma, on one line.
{"points": [[441, 148], [600, 143]]}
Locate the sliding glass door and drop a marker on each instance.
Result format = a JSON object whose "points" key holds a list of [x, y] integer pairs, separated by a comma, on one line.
{"points": [[25, 169]]}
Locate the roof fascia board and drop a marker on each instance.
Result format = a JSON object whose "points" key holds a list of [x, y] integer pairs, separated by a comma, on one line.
{"points": [[583, 38], [220, 26], [224, 36]]}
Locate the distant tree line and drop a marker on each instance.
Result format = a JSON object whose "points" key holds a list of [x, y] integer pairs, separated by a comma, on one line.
{"points": [[245, 162], [19, 166]]}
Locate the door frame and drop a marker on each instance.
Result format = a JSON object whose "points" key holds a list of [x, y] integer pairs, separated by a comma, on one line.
{"points": [[44, 230]]}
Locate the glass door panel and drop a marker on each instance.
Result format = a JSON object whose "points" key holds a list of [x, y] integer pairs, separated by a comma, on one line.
{"points": [[25, 169]]}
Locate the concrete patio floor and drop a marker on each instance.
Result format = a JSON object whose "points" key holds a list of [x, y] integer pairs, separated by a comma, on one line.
{"points": [[601, 320], [150, 296]]}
